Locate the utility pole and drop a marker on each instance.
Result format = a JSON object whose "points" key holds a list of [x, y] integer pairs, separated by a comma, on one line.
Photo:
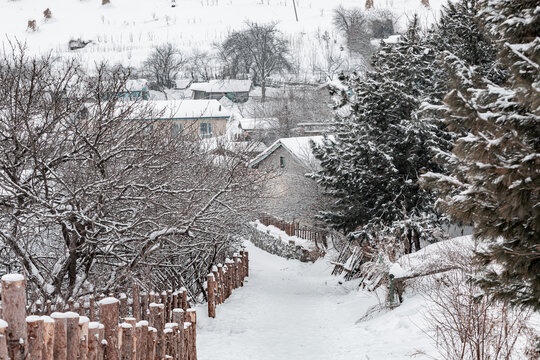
{"points": [[295, 13]]}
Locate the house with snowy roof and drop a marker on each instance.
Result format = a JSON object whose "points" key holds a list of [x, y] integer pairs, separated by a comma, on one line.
{"points": [[259, 129], [202, 118], [235, 90], [288, 193]]}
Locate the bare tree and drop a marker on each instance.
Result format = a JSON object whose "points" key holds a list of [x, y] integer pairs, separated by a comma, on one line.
{"points": [[354, 24], [200, 65], [260, 49], [163, 65], [94, 193]]}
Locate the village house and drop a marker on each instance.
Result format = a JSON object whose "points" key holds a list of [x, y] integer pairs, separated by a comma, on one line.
{"points": [[289, 195], [135, 89], [203, 118], [235, 90], [259, 129]]}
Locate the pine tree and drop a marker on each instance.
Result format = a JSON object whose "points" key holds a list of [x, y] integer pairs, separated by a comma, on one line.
{"points": [[496, 182], [371, 166]]}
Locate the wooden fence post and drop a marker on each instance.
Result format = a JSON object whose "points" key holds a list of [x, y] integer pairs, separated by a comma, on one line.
{"points": [[157, 321], [108, 316], [192, 316], [126, 343], [152, 343], [142, 339], [210, 287], [216, 285], [136, 307], [178, 317], [14, 312], [3, 340], [72, 321], [246, 254], [48, 338], [83, 336], [184, 298], [92, 312], [221, 287], [35, 337], [60, 336], [94, 341], [187, 340]]}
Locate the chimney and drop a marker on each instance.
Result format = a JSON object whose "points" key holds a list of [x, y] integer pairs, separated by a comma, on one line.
{"points": [[219, 107]]}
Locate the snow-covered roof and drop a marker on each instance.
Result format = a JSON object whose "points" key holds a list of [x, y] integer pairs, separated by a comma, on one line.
{"points": [[189, 109], [298, 147], [136, 84], [182, 83], [258, 124], [223, 86]]}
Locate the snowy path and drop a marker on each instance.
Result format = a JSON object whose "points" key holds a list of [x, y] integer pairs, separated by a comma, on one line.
{"points": [[290, 310]]}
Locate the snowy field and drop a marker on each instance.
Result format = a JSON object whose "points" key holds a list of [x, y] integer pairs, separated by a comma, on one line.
{"points": [[289, 310], [124, 31]]}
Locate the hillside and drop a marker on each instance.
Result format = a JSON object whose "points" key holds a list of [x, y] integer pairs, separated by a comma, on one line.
{"points": [[125, 30]]}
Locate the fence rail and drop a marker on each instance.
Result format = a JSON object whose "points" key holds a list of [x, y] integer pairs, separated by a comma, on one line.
{"points": [[148, 326]]}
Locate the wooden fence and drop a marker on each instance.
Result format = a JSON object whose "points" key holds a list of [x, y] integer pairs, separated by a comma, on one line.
{"points": [[224, 279], [149, 326], [295, 229]]}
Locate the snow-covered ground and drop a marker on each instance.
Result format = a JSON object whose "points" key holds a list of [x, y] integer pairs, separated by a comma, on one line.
{"points": [[289, 310], [125, 31]]}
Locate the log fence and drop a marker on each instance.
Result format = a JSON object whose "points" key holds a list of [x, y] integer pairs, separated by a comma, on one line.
{"points": [[147, 326], [296, 229], [223, 279]]}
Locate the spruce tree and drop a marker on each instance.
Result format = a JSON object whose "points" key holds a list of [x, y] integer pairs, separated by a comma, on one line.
{"points": [[496, 183], [372, 165]]}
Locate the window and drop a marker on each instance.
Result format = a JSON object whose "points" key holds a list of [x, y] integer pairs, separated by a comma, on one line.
{"points": [[205, 130], [281, 161], [177, 129]]}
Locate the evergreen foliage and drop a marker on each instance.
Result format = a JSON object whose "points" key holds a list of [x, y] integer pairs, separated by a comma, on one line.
{"points": [[372, 165], [495, 182]]}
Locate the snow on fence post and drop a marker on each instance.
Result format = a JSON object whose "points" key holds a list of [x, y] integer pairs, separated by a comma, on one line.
{"points": [[192, 316], [60, 336], [14, 312], [48, 338], [35, 337], [3, 340], [108, 316]]}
